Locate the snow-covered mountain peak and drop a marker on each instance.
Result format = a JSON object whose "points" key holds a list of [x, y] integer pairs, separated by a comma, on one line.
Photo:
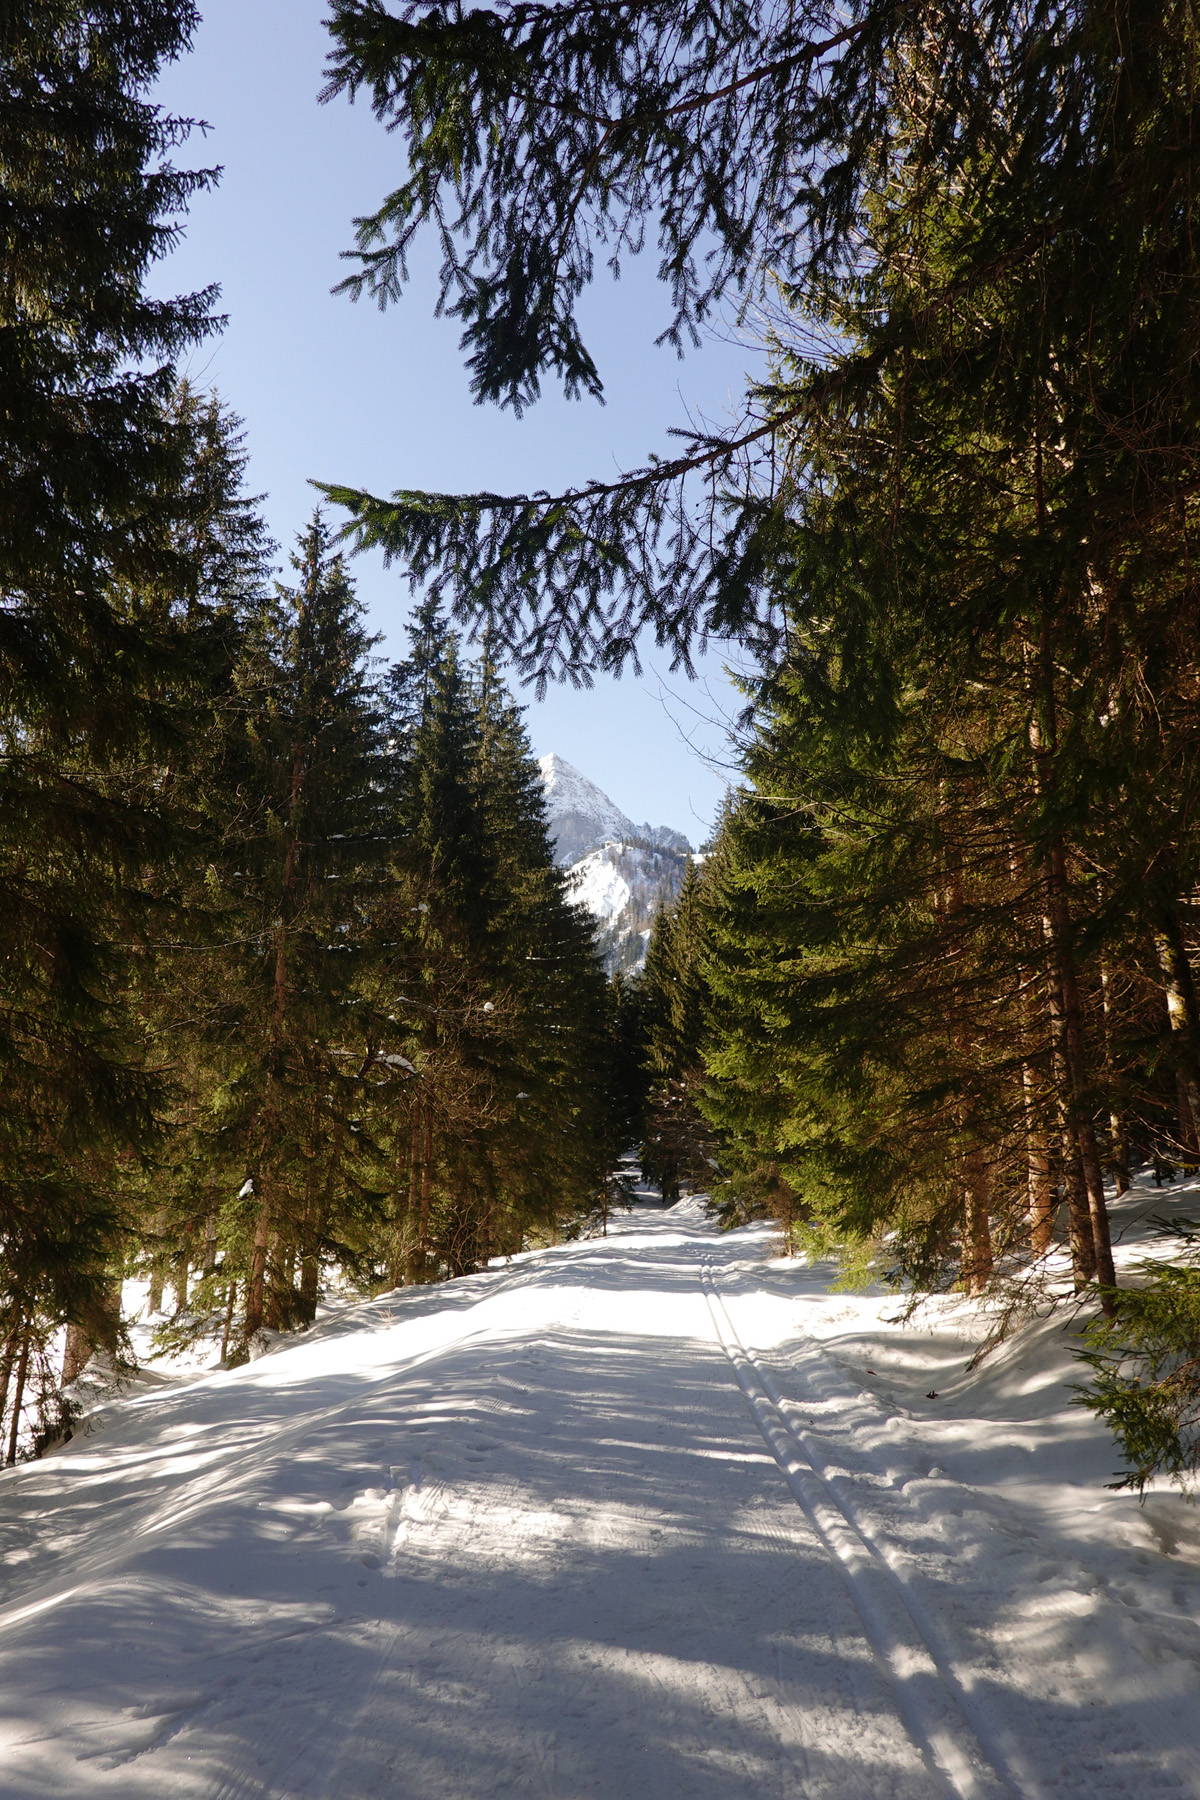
{"points": [[582, 817], [620, 871]]}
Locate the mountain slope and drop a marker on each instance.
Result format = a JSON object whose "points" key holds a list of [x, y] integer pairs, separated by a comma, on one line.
{"points": [[623, 885], [620, 871]]}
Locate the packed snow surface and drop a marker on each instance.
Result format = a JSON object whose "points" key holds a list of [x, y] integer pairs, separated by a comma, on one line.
{"points": [[656, 1515]]}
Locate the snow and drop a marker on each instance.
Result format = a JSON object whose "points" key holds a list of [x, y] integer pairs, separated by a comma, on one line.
{"points": [[623, 885], [658, 1514], [618, 870], [596, 884]]}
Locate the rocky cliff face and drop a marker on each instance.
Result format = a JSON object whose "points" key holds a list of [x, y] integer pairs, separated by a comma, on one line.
{"points": [[620, 871]]}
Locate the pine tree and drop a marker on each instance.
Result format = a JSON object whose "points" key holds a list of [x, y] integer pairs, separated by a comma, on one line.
{"points": [[955, 526], [969, 657], [1145, 1373], [673, 993], [286, 1171], [93, 449], [776, 139], [96, 658], [502, 997]]}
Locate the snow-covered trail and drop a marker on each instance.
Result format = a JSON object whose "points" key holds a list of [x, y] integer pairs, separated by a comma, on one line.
{"points": [[607, 1522]]}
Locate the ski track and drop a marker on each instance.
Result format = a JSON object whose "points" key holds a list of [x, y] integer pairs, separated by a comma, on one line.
{"points": [[589, 1527], [929, 1690]]}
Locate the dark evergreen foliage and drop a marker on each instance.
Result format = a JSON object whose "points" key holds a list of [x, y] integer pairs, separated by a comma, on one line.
{"points": [[91, 448], [673, 997], [952, 964], [396, 1062], [100, 656], [502, 1001], [779, 136], [1146, 1376]]}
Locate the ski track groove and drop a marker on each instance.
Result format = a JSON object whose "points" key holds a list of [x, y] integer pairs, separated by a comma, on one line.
{"points": [[721, 1694], [933, 1704], [858, 1504], [1013, 1765]]}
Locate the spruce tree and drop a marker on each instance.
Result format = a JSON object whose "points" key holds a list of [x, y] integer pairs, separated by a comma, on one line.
{"points": [[673, 992], [97, 664], [286, 1167], [93, 449], [501, 994], [955, 923], [775, 139]]}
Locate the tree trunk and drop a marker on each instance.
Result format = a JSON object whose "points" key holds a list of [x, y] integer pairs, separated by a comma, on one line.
{"points": [[1188, 1142], [1063, 986], [788, 1220], [1059, 932], [263, 1235], [290, 875], [412, 1219], [310, 1269], [77, 1353], [273, 1297], [230, 1300], [1118, 1137], [1079, 1219], [316, 1213], [6, 1368], [489, 1207], [1119, 1140], [1039, 1189], [1184, 1015], [157, 1264], [98, 1329], [977, 1261], [258, 1270], [976, 1230], [426, 1193], [18, 1397], [1037, 1169]]}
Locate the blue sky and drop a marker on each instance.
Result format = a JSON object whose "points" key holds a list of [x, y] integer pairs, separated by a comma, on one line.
{"points": [[342, 392]]}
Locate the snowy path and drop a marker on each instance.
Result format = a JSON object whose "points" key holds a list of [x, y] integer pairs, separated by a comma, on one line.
{"points": [[608, 1522]]}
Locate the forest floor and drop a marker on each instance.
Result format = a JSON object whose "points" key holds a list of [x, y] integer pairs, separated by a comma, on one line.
{"points": [[636, 1518]]}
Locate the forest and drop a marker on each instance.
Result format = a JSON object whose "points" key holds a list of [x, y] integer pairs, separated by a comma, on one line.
{"points": [[292, 985]]}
